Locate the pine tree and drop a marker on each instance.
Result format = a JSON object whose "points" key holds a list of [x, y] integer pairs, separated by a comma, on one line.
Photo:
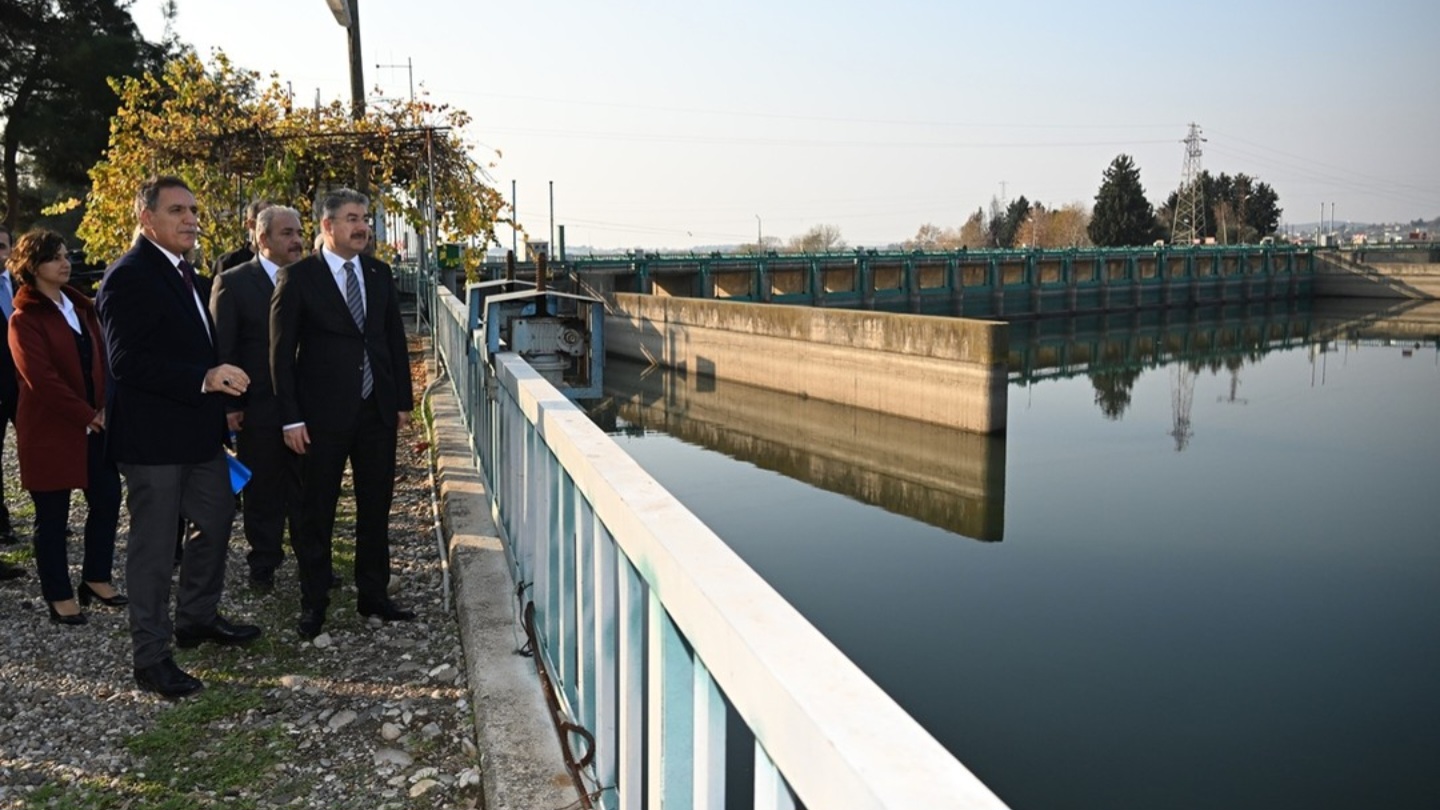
{"points": [[1122, 215]]}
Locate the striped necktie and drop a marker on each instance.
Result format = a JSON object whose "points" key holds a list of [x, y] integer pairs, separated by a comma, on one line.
{"points": [[357, 311]]}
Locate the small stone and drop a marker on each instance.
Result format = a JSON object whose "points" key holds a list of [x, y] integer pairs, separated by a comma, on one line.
{"points": [[469, 777], [430, 731], [341, 719], [390, 732], [292, 682], [322, 641], [422, 787], [393, 756]]}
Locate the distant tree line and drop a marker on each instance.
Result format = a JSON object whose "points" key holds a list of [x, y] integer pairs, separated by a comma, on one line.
{"points": [[1236, 209], [1231, 210]]}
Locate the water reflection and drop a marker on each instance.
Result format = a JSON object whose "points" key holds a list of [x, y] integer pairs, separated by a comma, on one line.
{"points": [[1113, 350], [1248, 624], [947, 478]]}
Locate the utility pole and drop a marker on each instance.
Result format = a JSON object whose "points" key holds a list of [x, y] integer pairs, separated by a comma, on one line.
{"points": [[347, 14], [409, 69], [759, 236]]}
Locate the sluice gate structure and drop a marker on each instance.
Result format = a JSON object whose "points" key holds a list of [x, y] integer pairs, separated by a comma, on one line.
{"points": [[991, 283]]}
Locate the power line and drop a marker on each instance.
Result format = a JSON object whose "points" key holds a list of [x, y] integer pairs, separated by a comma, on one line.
{"points": [[650, 137]]}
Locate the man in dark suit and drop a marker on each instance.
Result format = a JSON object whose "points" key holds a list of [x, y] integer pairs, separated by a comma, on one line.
{"points": [[9, 386], [165, 417], [245, 252], [342, 375], [240, 304]]}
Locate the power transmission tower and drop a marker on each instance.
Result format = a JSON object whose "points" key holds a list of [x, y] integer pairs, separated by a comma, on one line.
{"points": [[1182, 396], [1188, 225]]}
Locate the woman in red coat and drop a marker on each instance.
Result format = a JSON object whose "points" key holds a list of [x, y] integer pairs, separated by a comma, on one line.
{"points": [[60, 361]]}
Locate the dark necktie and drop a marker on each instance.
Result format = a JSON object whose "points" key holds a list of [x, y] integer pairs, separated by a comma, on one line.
{"points": [[187, 272], [357, 311]]}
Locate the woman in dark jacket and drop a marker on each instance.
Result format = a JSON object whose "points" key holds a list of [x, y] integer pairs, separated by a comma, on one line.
{"points": [[60, 361]]}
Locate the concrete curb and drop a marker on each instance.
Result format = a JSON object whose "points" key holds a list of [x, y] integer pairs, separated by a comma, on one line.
{"points": [[521, 764]]}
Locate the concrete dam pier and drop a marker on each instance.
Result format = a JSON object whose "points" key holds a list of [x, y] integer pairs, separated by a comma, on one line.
{"points": [[943, 371]]}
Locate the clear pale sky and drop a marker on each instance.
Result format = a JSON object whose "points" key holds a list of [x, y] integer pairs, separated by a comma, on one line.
{"points": [[677, 124]]}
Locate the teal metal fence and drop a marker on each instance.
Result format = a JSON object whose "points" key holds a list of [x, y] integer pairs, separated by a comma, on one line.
{"points": [[696, 680]]}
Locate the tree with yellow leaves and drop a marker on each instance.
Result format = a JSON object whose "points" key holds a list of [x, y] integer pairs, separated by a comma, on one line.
{"points": [[233, 138]]}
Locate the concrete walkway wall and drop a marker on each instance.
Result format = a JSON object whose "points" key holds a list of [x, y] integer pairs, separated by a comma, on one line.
{"points": [[521, 765], [1339, 276], [945, 371]]}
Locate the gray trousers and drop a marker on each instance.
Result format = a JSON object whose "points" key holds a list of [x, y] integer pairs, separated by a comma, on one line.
{"points": [[158, 495]]}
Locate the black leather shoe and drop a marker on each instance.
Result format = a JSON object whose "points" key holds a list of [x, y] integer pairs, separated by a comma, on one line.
{"points": [[10, 571], [86, 593], [220, 631], [311, 620], [387, 610], [167, 679]]}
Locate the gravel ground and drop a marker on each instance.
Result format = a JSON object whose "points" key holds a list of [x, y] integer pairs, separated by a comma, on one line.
{"points": [[369, 715]]}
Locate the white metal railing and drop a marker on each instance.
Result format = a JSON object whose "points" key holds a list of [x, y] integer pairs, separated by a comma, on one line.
{"points": [[648, 623]]}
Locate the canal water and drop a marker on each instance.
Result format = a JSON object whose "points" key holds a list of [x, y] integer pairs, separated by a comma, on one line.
{"points": [[1201, 570]]}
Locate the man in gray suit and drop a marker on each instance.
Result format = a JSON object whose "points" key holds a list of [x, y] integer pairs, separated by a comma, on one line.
{"points": [[240, 303], [165, 415]]}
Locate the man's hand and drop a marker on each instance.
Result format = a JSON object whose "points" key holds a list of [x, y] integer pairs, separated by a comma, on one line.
{"points": [[97, 422], [297, 439], [234, 420], [226, 379], [404, 420]]}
